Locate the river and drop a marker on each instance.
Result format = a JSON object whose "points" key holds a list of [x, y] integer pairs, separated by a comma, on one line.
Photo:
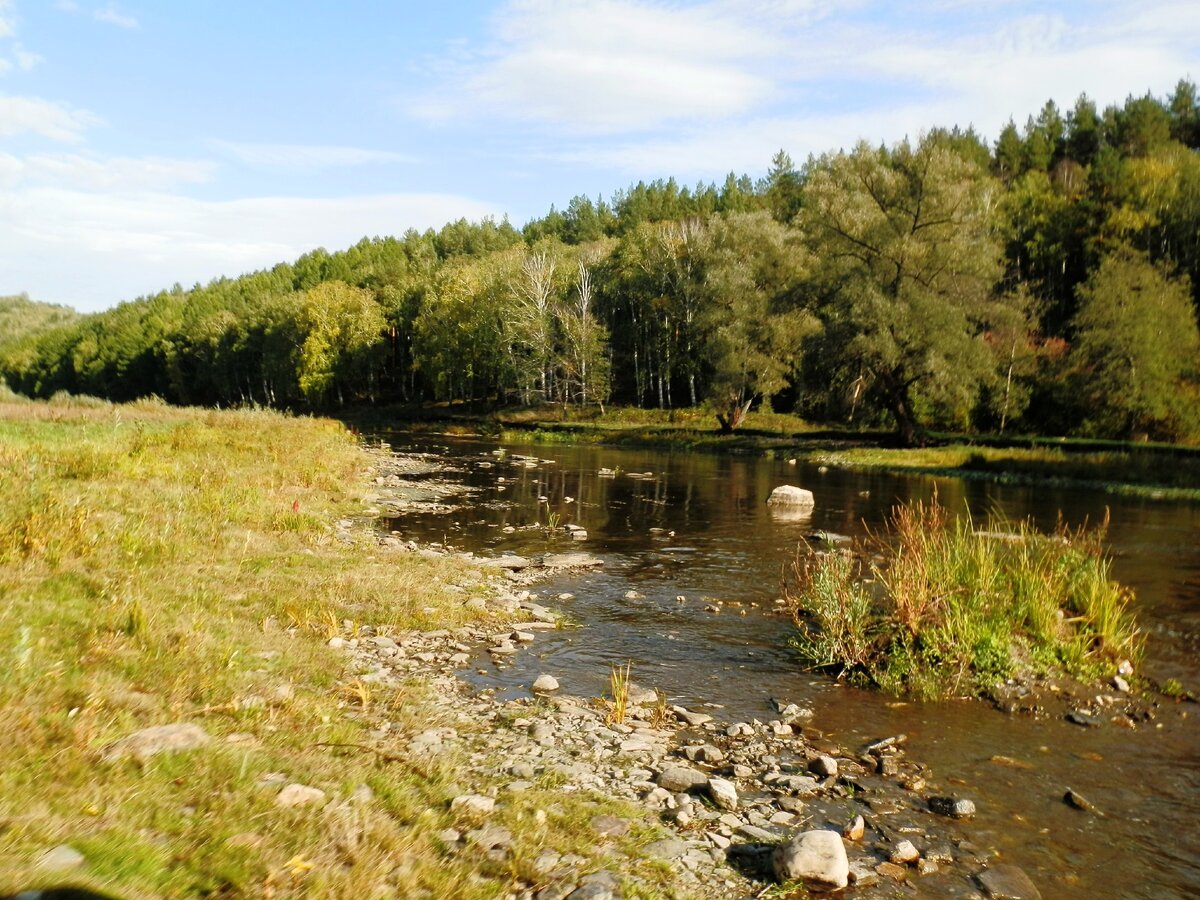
{"points": [[684, 533]]}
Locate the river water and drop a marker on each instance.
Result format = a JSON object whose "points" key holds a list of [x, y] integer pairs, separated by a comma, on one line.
{"points": [[681, 531]]}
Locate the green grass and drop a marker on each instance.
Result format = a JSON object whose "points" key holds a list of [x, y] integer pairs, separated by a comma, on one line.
{"points": [[161, 565], [946, 609]]}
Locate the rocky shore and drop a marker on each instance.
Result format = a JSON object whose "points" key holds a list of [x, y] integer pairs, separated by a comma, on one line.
{"points": [[734, 808]]}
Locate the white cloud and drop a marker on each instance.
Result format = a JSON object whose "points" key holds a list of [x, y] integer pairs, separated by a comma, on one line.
{"points": [[110, 15], [32, 115], [91, 250], [8, 26], [88, 171], [611, 66], [305, 156]]}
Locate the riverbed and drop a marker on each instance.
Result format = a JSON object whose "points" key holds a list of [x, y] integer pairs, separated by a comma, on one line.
{"points": [[694, 563]]}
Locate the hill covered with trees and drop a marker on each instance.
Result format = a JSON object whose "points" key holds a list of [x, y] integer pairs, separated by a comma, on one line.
{"points": [[1048, 282]]}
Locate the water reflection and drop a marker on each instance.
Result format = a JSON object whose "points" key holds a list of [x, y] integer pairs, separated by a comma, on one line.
{"points": [[697, 527]]}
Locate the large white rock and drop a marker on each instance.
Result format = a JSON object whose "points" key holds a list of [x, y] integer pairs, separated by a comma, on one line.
{"points": [[723, 792], [792, 497], [818, 858]]}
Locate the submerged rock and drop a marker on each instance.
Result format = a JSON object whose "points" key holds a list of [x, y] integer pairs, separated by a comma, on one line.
{"points": [[1008, 883], [950, 806]]}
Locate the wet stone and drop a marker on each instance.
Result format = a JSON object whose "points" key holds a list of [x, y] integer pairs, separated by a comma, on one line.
{"points": [[1006, 882], [950, 806]]}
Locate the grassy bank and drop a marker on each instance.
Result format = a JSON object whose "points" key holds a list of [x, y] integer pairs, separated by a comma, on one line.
{"points": [[1151, 470], [945, 609], [162, 565]]}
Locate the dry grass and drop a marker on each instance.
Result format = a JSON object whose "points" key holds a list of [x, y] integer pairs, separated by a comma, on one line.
{"points": [[161, 565]]}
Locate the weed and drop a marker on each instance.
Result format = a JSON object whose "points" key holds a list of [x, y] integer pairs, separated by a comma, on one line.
{"points": [[617, 703]]}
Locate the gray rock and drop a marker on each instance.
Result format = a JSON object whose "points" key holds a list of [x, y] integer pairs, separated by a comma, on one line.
{"points": [[1008, 883], [544, 684], [723, 793], [570, 561], [1120, 684], [816, 857], [472, 805], [490, 837], [62, 858], [790, 496], [300, 795], [825, 766], [512, 563], [704, 753], [557, 890], [141, 745], [598, 886], [951, 806], [668, 848], [758, 834], [681, 779], [609, 826]]}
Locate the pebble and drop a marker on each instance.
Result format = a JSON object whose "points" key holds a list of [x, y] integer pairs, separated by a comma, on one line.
{"points": [[825, 766], [855, 830], [1077, 800]]}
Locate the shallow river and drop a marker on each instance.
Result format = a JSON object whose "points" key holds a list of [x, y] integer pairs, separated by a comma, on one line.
{"points": [[696, 527]]}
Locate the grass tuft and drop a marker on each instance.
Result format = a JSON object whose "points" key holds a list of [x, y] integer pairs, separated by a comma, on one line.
{"points": [[951, 609]]}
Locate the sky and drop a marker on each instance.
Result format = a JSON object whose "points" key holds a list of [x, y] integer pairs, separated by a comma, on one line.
{"points": [[145, 143]]}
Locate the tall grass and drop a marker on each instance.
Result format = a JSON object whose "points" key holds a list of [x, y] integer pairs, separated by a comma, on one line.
{"points": [[949, 609]]}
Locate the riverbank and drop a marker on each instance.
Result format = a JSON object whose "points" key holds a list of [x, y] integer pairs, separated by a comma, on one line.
{"points": [[225, 680], [1158, 471]]}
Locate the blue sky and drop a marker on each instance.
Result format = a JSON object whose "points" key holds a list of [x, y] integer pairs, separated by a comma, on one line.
{"points": [[148, 142]]}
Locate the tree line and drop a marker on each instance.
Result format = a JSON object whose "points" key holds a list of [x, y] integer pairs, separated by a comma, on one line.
{"points": [[1048, 282]]}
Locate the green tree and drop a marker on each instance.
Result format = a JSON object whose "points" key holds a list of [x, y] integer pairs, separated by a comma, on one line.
{"points": [[342, 326], [753, 323], [908, 261], [1136, 350]]}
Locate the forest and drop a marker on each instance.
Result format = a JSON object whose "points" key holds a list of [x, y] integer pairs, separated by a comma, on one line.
{"points": [[1047, 282]]}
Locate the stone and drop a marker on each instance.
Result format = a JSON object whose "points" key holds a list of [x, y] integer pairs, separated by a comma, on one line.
{"points": [[449, 836], [792, 497], [761, 835], [544, 684], [951, 806], [723, 793], [825, 766], [62, 858], [1077, 800], [855, 830], [816, 857], [904, 853], [681, 779], [893, 871], [490, 837], [570, 561], [1120, 684], [609, 826], [1007, 882], [556, 890], [512, 563], [141, 745], [300, 795], [668, 848], [472, 805], [927, 867], [598, 886], [862, 874]]}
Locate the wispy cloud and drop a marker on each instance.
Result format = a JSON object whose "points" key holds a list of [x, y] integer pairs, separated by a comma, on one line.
{"points": [[167, 237], [89, 171], [111, 15], [610, 66], [305, 156], [32, 115]]}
